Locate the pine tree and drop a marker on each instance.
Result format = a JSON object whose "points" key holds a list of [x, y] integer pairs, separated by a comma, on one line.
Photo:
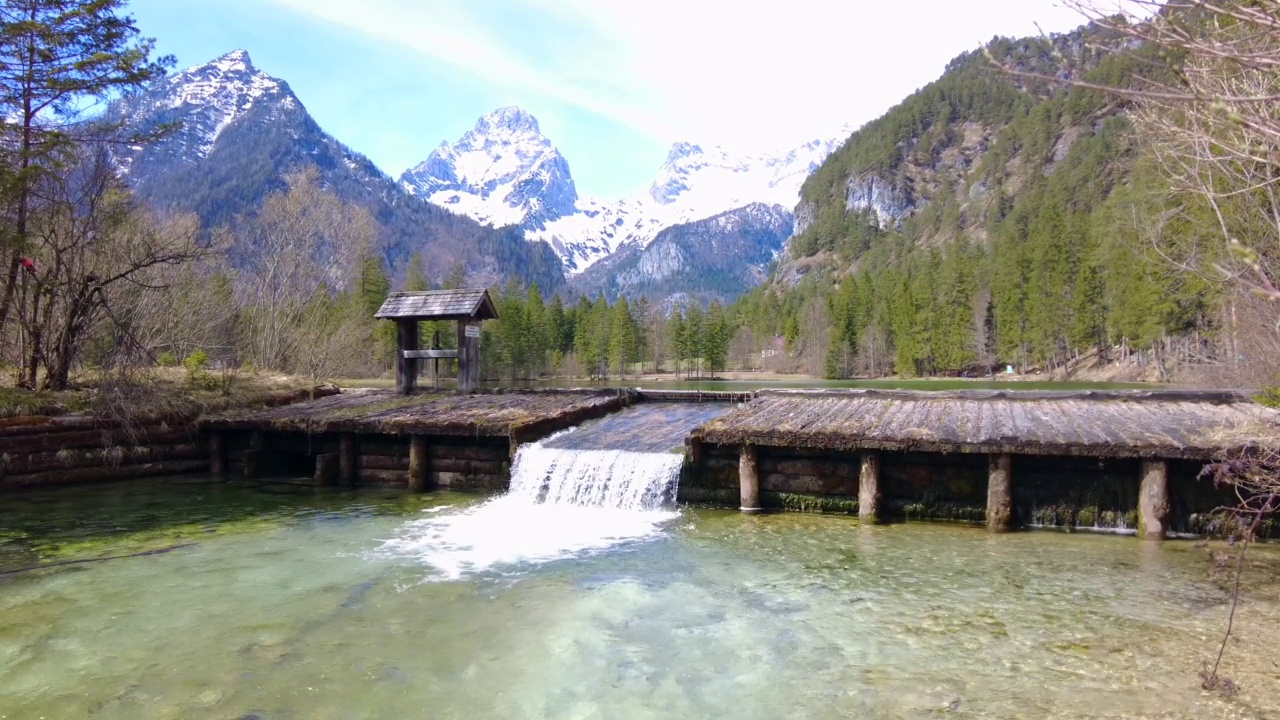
{"points": [[560, 325], [695, 338], [58, 57], [415, 277], [715, 347], [679, 338], [457, 277], [624, 345], [372, 287], [537, 334]]}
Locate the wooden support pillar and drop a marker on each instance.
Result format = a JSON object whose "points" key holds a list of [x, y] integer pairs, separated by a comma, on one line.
{"points": [[692, 452], [869, 488], [253, 456], [347, 458], [217, 455], [1153, 500], [1000, 493], [749, 479], [468, 356], [417, 463], [406, 367], [326, 469]]}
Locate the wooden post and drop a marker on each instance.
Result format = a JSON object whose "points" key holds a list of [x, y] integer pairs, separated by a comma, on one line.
{"points": [[1153, 500], [435, 366], [253, 456], [1000, 493], [326, 468], [869, 488], [217, 455], [468, 356], [417, 463], [693, 451], [347, 458], [406, 367], [749, 479]]}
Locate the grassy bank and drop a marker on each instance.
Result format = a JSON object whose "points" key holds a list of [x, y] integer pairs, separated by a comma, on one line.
{"points": [[160, 391]]}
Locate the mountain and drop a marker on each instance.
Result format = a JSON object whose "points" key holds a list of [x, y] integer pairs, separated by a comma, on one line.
{"points": [[693, 183], [239, 131], [718, 258], [504, 171], [987, 220]]}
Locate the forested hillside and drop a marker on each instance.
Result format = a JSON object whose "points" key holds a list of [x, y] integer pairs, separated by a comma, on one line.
{"points": [[984, 220]]}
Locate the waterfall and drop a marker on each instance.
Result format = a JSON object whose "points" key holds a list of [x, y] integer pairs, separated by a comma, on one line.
{"points": [[610, 479], [563, 502]]}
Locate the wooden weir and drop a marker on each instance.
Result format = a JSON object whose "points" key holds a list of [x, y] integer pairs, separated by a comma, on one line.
{"points": [[834, 449], [422, 442], [1113, 461]]}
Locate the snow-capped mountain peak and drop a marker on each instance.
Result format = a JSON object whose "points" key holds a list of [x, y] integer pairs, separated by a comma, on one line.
{"points": [[208, 98], [511, 119], [503, 171]]}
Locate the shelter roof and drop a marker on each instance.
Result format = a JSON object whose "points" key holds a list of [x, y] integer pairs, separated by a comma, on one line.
{"points": [[438, 305]]}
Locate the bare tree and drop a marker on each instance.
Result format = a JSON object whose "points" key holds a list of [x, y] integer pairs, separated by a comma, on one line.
{"points": [[332, 337], [196, 312], [58, 59], [302, 242], [875, 353], [89, 245], [1210, 116], [743, 350], [816, 324], [659, 344]]}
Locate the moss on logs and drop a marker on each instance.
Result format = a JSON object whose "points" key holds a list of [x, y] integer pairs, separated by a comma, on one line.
{"points": [[795, 502]]}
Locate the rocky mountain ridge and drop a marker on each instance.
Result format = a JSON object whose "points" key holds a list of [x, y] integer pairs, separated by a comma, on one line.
{"points": [[505, 171], [238, 131], [717, 258]]}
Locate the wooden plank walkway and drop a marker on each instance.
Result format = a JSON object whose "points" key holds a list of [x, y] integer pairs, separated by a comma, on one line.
{"points": [[518, 415], [1120, 424]]}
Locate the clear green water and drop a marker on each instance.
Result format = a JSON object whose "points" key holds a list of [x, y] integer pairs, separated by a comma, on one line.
{"points": [[285, 609]]}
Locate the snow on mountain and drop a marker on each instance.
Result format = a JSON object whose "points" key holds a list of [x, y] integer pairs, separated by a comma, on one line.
{"points": [[228, 135], [693, 183], [211, 97], [505, 172]]}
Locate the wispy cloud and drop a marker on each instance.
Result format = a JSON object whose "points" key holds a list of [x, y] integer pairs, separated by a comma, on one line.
{"points": [[453, 33], [747, 74]]}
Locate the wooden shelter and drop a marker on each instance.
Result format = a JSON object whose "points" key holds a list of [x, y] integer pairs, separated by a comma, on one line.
{"points": [[468, 307]]}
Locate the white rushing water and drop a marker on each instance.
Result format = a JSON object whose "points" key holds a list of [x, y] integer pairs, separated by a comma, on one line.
{"points": [[562, 503]]}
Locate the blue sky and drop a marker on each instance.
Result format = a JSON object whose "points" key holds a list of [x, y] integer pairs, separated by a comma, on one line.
{"points": [[613, 84]]}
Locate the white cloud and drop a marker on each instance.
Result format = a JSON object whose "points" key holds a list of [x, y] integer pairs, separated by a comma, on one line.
{"points": [[446, 31], [750, 74]]}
